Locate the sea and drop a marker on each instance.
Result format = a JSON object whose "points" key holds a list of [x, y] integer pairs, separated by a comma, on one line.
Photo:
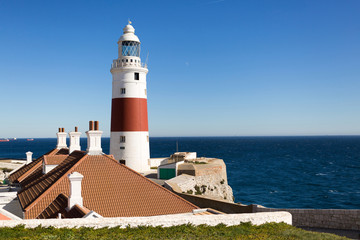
{"points": [[279, 172]]}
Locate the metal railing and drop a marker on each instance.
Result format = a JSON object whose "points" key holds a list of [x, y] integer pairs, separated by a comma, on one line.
{"points": [[119, 63]]}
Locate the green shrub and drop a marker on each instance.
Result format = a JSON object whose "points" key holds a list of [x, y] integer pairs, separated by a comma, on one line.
{"points": [[197, 190], [277, 231]]}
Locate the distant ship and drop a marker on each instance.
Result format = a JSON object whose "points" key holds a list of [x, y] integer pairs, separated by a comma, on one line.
{"points": [[30, 139], [4, 140]]}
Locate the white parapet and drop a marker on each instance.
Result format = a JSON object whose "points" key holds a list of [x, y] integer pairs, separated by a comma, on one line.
{"points": [[164, 220]]}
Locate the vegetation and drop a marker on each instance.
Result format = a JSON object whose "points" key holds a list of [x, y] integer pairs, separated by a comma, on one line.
{"points": [[197, 190], [6, 170], [196, 162], [243, 231]]}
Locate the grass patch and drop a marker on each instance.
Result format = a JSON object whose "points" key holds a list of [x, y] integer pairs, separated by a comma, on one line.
{"points": [[242, 231], [6, 170]]}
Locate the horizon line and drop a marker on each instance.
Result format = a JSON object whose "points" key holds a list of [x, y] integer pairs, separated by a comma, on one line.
{"points": [[320, 135]]}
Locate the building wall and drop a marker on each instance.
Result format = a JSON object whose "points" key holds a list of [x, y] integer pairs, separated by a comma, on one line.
{"points": [[348, 219], [136, 149]]}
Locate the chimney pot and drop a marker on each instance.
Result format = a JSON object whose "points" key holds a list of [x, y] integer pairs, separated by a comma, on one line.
{"points": [[96, 125], [59, 129], [63, 130], [91, 125], [76, 129], [28, 157]]}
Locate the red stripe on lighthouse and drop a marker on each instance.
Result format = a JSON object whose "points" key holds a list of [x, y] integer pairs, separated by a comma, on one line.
{"points": [[129, 114]]}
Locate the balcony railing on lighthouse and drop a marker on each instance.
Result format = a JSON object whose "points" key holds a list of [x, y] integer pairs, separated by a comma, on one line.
{"points": [[128, 63]]}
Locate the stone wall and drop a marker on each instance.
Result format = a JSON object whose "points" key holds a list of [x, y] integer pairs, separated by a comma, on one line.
{"points": [[165, 220], [348, 219]]}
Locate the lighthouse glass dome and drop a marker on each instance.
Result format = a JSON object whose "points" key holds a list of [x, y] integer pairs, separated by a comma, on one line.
{"points": [[131, 48]]}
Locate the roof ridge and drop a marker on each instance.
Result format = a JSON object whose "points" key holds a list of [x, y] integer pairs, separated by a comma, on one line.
{"points": [[36, 181], [54, 184], [26, 165], [27, 173]]}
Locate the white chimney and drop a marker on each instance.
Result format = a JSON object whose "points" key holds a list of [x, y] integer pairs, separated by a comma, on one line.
{"points": [[75, 197], [94, 139], [74, 140], [28, 157], [61, 139]]}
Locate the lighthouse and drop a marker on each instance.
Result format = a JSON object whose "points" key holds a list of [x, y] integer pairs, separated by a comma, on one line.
{"points": [[129, 137]]}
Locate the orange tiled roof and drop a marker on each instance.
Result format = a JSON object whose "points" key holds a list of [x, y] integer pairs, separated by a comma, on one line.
{"points": [[54, 159], [57, 206], [32, 171], [36, 188], [37, 173], [29, 168], [3, 217], [76, 212], [108, 188]]}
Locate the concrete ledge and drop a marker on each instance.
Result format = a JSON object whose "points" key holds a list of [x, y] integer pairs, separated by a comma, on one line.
{"points": [[346, 219], [226, 207], [165, 220]]}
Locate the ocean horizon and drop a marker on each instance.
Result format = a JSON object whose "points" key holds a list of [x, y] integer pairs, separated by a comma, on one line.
{"points": [[273, 171]]}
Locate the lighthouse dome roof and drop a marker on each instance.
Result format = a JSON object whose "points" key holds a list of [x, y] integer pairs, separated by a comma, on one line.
{"points": [[129, 34]]}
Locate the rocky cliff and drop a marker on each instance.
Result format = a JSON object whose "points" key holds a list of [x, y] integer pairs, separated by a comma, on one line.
{"points": [[204, 177]]}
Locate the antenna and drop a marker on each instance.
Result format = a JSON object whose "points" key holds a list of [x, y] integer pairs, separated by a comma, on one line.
{"points": [[147, 58], [177, 146]]}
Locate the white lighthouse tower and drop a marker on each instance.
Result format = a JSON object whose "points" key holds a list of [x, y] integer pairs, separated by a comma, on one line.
{"points": [[129, 138]]}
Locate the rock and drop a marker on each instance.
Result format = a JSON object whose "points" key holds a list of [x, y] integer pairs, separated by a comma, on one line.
{"points": [[212, 186]]}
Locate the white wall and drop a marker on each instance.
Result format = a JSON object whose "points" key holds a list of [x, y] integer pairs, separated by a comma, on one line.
{"points": [[164, 220], [136, 152]]}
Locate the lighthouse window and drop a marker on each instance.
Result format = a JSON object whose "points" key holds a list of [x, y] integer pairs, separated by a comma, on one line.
{"points": [[137, 77], [131, 48], [122, 148], [122, 139], [123, 91]]}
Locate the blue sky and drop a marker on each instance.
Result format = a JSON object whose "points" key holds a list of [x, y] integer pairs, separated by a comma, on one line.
{"points": [[216, 68]]}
